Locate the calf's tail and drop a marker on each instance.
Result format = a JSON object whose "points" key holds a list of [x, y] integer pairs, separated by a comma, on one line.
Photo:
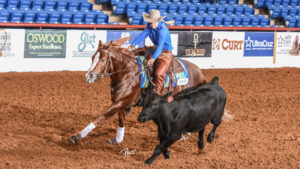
{"points": [[227, 117]]}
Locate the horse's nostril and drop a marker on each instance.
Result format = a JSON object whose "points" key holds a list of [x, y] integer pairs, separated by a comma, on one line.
{"points": [[90, 76]]}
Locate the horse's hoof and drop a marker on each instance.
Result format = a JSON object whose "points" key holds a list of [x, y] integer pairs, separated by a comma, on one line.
{"points": [[112, 141], [75, 139]]}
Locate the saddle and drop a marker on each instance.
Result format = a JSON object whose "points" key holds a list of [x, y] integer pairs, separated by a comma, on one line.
{"points": [[176, 75]]}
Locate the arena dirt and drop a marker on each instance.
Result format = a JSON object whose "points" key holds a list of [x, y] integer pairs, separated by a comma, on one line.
{"points": [[40, 111]]}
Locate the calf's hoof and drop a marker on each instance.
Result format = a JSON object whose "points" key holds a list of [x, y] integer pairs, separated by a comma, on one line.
{"points": [[210, 138], [75, 139], [167, 155], [201, 145], [148, 161]]}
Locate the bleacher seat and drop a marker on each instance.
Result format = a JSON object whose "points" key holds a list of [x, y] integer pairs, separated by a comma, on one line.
{"points": [[218, 21], [61, 6], [208, 21], [229, 10], [38, 4], [136, 20], [29, 17], [198, 21], [50, 5], [66, 18], [73, 6], [227, 21], [90, 19], [191, 9], [246, 21], [182, 9], [86, 7], [25, 4], [211, 9], [202, 9], [236, 21], [255, 21], [4, 16], [78, 18], [42, 17], [12, 4], [220, 9], [16, 17], [178, 20], [3, 4], [172, 9], [162, 8], [101, 18], [54, 17], [188, 20], [150, 7], [141, 8]]}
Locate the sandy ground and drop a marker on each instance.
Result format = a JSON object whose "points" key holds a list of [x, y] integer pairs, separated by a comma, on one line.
{"points": [[40, 111]]}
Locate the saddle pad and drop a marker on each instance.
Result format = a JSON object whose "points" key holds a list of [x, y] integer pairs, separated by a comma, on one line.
{"points": [[182, 78]]}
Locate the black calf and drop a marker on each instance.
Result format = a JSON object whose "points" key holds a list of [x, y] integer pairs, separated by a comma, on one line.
{"points": [[191, 110]]}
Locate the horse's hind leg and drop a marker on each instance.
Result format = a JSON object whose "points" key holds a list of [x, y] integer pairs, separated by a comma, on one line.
{"points": [[211, 135]]}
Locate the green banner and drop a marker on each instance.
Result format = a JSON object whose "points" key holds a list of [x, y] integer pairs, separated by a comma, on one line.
{"points": [[45, 44]]}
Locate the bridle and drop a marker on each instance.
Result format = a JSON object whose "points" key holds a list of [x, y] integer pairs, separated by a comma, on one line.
{"points": [[109, 63]]}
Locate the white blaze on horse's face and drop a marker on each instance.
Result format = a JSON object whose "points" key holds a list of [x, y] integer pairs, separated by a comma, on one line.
{"points": [[92, 76]]}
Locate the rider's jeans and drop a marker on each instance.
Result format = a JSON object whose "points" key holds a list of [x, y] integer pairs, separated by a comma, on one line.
{"points": [[161, 65]]}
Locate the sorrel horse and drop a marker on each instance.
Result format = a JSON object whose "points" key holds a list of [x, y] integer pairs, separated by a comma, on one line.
{"points": [[123, 69]]}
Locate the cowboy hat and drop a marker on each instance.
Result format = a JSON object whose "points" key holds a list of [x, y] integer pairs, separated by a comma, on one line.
{"points": [[153, 16]]}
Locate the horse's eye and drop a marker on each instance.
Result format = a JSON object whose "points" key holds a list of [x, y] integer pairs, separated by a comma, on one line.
{"points": [[102, 60]]}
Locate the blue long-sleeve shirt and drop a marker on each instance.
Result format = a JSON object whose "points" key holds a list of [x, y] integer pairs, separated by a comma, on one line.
{"points": [[160, 36]]}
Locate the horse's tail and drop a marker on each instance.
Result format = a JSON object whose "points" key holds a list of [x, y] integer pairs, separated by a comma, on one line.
{"points": [[227, 117]]}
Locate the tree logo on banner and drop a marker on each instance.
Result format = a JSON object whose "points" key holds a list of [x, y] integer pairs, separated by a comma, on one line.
{"points": [[3, 38]]}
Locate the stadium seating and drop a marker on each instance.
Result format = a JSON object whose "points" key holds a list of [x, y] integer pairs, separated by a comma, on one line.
{"points": [[288, 10], [51, 11], [183, 12], [190, 12]]}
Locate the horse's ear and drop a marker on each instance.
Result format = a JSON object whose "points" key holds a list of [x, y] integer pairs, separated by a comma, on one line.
{"points": [[100, 43], [109, 44]]}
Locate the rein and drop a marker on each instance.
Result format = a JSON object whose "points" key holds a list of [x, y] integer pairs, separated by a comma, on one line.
{"points": [[105, 74]]}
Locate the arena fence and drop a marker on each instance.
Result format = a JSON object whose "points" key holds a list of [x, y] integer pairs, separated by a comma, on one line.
{"points": [[55, 48]]}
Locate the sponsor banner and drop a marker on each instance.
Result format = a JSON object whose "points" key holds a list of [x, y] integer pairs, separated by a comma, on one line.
{"points": [[116, 35], [84, 43], [228, 43], [174, 41], [258, 44], [12, 42], [194, 44], [45, 43], [288, 44]]}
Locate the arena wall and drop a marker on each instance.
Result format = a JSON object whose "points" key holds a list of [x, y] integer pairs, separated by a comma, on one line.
{"points": [[57, 50]]}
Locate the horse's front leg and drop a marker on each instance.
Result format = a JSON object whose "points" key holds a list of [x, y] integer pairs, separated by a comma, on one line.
{"points": [[121, 129], [113, 109]]}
